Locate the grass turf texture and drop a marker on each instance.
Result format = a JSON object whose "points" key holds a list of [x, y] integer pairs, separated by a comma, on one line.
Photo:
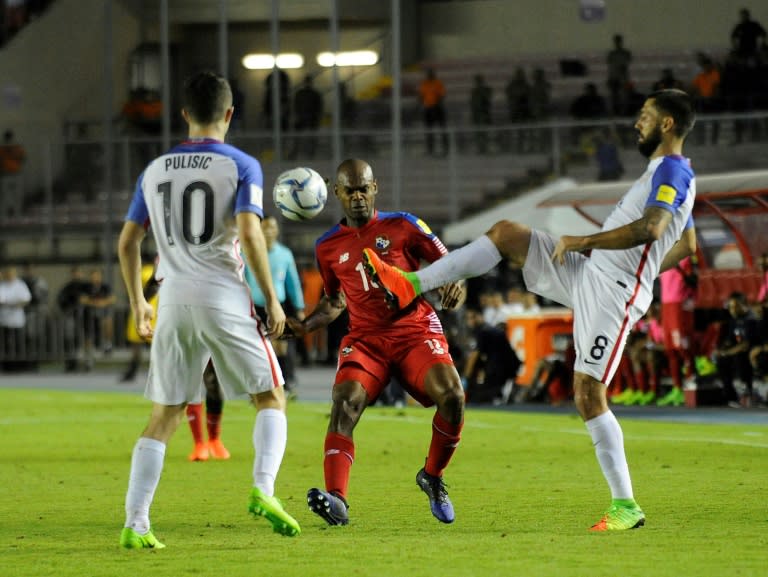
{"points": [[525, 488]]}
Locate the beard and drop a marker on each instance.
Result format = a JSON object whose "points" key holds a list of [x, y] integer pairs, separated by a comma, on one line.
{"points": [[651, 142]]}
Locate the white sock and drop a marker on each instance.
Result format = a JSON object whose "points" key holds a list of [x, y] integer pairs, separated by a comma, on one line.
{"points": [[146, 466], [270, 435], [609, 447], [474, 259]]}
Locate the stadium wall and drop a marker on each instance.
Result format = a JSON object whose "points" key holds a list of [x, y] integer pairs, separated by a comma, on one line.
{"points": [[52, 72], [508, 28]]}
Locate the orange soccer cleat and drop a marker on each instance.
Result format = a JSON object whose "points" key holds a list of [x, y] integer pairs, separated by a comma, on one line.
{"points": [[217, 450], [400, 287], [199, 453]]}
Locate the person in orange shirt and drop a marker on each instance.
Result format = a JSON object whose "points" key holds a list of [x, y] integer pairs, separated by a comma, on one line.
{"points": [[705, 88], [432, 94]]}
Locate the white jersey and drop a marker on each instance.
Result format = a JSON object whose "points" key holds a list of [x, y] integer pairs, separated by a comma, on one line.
{"points": [[669, 183], [190, 196]]}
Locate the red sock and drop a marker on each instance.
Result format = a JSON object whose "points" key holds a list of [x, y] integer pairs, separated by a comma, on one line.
{"points": [[673, 357], [445, 438], [213, 420], [339, 456], [195, 419]]}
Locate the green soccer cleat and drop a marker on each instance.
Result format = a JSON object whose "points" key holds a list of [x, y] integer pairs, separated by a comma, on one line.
{"points": [[646, 398], [675, 397], [272, 510], [130, 539], [620, 518], [623, 397]]}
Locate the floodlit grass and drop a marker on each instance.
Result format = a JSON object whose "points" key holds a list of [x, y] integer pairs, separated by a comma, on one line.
{"points": [[525, 488]]}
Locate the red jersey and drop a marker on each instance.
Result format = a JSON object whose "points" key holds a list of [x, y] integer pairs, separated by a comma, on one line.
{"points": [[400, 239]]}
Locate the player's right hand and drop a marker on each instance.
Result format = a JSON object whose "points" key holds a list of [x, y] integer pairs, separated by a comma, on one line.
{"points": [[294, 328], [144, 313], [275, 320]]}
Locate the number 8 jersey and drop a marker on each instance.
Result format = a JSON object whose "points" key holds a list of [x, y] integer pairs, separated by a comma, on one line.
{"points": [[190, 197]]}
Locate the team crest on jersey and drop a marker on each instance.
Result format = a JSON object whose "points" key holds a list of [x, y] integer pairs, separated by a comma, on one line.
{"points": [[346, 351], [382, 242], [344, 258]]}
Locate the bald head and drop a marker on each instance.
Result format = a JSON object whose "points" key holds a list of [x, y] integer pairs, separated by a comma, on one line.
{"points": [[354, 173]]}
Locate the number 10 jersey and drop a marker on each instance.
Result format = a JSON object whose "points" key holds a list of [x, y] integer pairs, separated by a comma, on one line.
{"points": [[190, 197]]}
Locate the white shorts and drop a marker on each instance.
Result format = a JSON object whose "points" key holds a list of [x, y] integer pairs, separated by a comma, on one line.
{"points": [[602, 311], [187, 336]]}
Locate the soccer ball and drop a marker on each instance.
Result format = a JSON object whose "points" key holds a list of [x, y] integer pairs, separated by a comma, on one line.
{"points": [[300, 193]]}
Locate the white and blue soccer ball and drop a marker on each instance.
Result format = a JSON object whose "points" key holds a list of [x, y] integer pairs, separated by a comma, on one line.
{"points": [[300, 193]]}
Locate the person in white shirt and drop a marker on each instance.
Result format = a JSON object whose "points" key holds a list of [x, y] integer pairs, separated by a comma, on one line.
{"points": [[14, 296], [203, 199], [649, 231]]}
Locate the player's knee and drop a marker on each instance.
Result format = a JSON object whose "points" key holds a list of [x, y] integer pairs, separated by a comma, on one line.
{"points": [[511, 240], [589, 396]]}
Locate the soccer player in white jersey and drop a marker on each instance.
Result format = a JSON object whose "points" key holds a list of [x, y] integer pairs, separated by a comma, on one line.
{"points": [[203, 199], [649, 231]]}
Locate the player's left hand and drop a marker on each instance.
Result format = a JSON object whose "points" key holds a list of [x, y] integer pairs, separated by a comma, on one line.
{"points": [[453, 295], [564, 245]]}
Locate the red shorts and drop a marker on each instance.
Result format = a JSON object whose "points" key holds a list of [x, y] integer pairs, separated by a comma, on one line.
{"points": [[677, 323], [372, 360]]}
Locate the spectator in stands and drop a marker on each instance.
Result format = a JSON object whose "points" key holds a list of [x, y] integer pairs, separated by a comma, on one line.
{"points": [[705, 88], [70, 300], [552, 379], [540, 108], [645, 354], [491, 362], [589, 104], [732, 354], [495, 310], [667, 81], [98, 316], [480, 104], [14, 296], [762, 295], [283, 94], [519, 96], [741, 83], [618, 60], [746, 35], [308, 104], [609, 166], [12, 157], [432, 97], [36, 313], [678, 300]]}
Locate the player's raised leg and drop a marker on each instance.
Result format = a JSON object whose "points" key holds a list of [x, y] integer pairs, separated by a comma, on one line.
{"points": [[504, 240]]}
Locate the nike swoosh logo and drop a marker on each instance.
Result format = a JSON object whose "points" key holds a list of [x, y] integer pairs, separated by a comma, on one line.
{"points": [[590, 362]]}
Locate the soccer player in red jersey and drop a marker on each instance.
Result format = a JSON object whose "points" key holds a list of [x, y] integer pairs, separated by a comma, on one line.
{"points": [[380, 344]]}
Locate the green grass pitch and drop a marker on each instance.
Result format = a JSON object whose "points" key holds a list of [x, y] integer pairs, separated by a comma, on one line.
{"points": [[525, 488]]}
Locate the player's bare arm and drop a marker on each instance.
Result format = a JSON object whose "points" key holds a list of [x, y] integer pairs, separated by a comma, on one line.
{"points": [[644, 230], [326, 311], [255, 250], [129, 252], [684, 247]]}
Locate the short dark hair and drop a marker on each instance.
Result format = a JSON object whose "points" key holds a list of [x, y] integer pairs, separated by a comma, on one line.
{"points": [[679, 105], [207, 96]]}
